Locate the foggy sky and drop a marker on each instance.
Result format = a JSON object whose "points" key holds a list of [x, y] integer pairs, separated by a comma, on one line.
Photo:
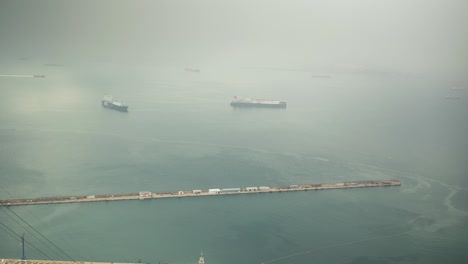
{"points": [[415, 36]]}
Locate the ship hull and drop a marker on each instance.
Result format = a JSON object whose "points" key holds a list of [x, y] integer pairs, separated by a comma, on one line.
{"points": [[115, 107], [261, 105]]}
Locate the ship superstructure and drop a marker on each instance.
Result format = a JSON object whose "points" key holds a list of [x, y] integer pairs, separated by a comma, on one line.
{"points": [[249, 102], [109, 102]]}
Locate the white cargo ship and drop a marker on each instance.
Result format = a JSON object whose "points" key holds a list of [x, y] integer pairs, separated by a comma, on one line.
{"points": [[109, 102], [249, 102]]}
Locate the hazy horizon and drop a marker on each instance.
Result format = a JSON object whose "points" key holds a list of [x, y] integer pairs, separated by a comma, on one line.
{"points": [[412, 37]]}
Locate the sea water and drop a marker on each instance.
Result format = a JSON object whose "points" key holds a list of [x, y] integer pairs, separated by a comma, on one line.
{"points": [[181, 134]]}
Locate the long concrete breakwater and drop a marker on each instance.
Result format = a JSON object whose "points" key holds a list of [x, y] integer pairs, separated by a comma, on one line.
{"points": [[198, 193]]}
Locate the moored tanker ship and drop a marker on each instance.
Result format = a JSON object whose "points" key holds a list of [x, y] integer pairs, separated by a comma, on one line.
{"points": [[249, 102]]}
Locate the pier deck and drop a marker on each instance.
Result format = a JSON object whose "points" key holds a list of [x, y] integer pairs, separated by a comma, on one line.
{"points": [[198, 193]]}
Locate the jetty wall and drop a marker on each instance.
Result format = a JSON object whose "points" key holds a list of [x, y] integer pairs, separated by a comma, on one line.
{"points": [[198, 193]]}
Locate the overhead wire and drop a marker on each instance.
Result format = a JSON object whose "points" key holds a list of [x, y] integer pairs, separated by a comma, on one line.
{"points": [[63, 252], [39, 239], [52, 243], [40, 252], [9, 232], [31, 233]]}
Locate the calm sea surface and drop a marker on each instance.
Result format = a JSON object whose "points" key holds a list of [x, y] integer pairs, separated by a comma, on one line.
{"points": [[180, 133]]}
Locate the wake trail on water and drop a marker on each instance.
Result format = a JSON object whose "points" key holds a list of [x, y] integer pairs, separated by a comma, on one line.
{"points": [[437, 244], [424, 182], [417, 177], [412, 221], [16, 76], [336, 245]]}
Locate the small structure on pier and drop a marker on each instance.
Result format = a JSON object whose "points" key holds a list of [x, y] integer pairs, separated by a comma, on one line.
{"points": [[214, 191], [201, 260], [144, 195]]}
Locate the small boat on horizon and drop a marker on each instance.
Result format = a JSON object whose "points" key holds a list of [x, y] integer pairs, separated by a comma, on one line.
{"points": [[192, 70], [53, 64], [455, 88], [448, 97]]}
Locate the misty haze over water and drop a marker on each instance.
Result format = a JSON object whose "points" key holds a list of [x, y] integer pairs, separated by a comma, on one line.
{"points": [[375, 90]]}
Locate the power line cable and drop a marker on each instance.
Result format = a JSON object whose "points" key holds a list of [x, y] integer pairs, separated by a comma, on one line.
{"points": [[9, 232], [39, 239], [12, 233], [42, 235], [32, 246], [52, 249]]}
